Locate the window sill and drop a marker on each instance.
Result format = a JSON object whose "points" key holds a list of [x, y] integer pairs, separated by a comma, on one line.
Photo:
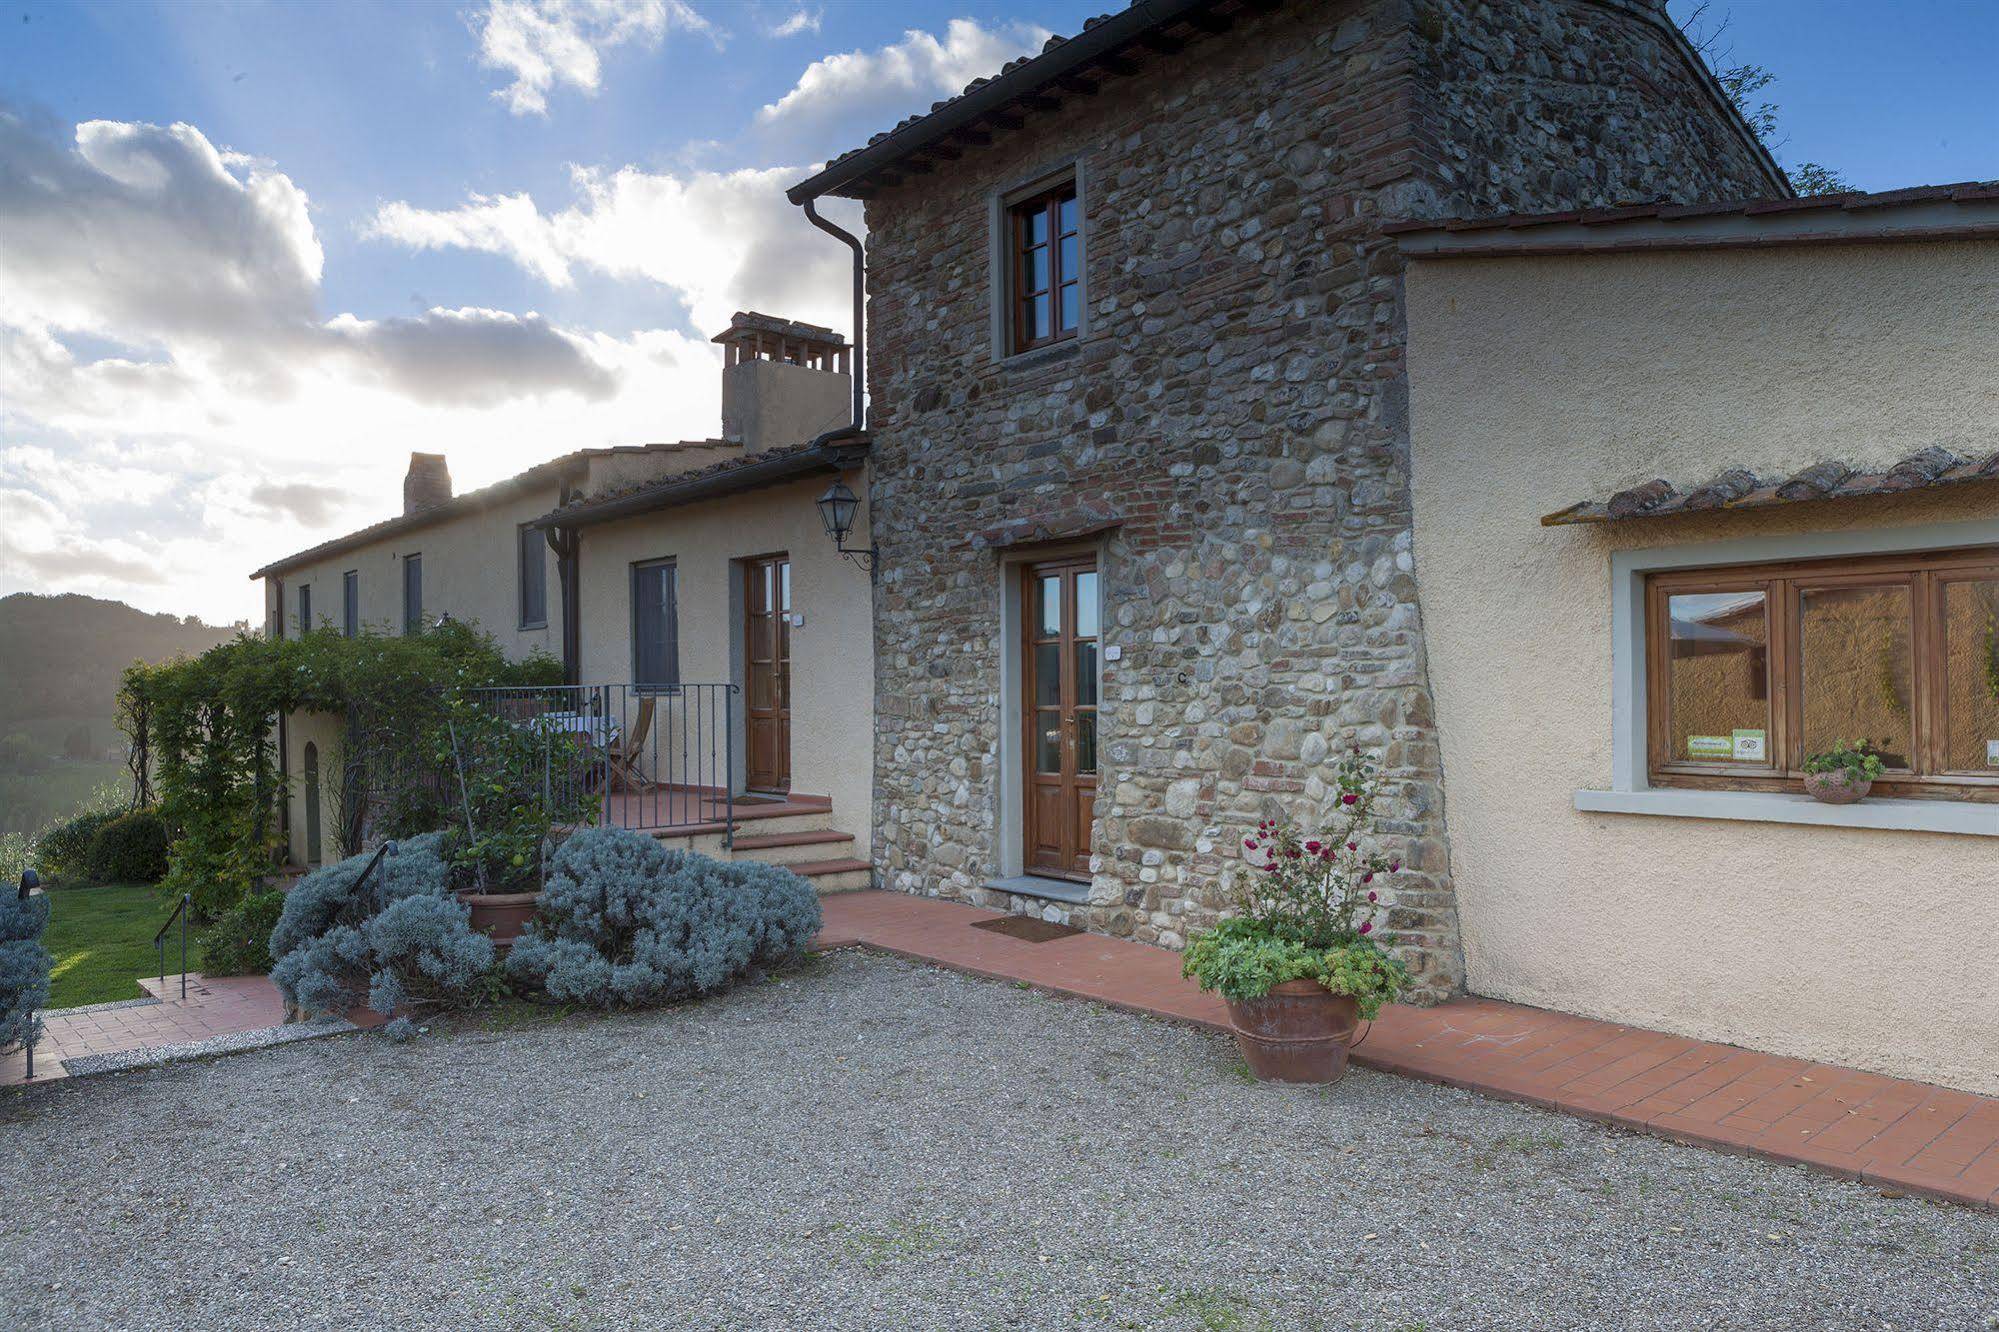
{"points": [[1946, 816], [1040, 356], [1033, 885]]}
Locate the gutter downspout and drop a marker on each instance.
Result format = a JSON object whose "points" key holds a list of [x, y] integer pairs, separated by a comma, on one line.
{"points": [[567, 543], [854, 428]]}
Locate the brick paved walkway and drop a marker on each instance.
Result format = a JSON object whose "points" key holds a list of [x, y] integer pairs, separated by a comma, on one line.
{"points": [[224, 1006], [1904, 1135]]}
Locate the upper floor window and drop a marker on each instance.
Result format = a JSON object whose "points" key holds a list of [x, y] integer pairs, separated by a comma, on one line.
{"points": [[1046, 258], [655, 625], [412, 594], [350, 603], [1753, 669], [532, 548], [304, 608]]}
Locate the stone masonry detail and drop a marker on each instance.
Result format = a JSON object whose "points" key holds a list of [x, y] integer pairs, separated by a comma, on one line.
{"points": [[1231, 426]]}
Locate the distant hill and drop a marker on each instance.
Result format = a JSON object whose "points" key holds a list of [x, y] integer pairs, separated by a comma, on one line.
{"points": [[62, 656]]}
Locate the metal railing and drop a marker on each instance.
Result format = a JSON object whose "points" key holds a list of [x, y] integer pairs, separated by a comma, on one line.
{"points": [[159, 943], [657, 757]]}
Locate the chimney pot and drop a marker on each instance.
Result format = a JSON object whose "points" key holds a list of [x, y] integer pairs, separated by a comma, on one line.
{"points": [[427, 484], [783, 382]]}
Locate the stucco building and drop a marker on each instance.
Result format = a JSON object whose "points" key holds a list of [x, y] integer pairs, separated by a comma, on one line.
{"points": [[1141, 429]]}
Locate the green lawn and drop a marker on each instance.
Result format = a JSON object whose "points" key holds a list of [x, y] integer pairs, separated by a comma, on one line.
{"points": [[102, 939]]}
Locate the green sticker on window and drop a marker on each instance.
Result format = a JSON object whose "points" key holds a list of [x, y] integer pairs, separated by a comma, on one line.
{"points": [[1749, 745], [1710, 746]]}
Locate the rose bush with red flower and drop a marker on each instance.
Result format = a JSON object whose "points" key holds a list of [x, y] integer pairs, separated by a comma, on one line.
{"points": [[1303, 909]]}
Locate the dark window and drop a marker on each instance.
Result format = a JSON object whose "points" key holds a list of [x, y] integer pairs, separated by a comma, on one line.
{"points": [[350, 603], [412, 594], [1753, 669], [533, 578], [277, 608], [305, 609], [1046, 283], [655, 625]]}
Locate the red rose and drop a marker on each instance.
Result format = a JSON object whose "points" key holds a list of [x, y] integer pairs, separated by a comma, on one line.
{"points": [[1367, 927]]}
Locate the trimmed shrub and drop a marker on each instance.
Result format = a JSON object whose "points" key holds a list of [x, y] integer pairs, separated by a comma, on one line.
{"points": [[24, 969], [131, 848], [624, 922], [239, 942], [63, 853], [325, 897], [335, 950]]}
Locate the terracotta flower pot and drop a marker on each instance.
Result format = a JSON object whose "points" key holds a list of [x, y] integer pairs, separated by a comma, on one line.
{"points": [[1837, 787], [1299, 1032], [502, 915]]}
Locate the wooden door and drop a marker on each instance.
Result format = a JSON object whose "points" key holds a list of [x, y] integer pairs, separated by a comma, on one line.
{"points": [[767, 671], [1059, 617]]}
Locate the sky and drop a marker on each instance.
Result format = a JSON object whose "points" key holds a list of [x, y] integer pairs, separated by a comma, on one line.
{"points": [[253, 254]]}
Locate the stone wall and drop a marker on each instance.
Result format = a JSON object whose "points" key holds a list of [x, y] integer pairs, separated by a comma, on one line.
{"points": [[1233, 423]]}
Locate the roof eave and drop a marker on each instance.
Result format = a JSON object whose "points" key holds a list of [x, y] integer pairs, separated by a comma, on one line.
{"points": [[752, 474], [1115, 33]]}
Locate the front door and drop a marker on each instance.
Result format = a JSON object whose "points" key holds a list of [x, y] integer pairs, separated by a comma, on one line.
{"points": [[767, 671], [1059, 707]]}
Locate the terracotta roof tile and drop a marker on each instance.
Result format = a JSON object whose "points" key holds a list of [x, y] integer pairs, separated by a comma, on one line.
{"points": [[1739, 488]]}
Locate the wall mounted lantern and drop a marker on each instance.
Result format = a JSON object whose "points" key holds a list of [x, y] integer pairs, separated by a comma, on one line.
{"points": [[836, 511]]}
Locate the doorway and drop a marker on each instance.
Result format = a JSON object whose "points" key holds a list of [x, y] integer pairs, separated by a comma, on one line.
{"points": [[767, 673], [312, 841], [1058, 706]]}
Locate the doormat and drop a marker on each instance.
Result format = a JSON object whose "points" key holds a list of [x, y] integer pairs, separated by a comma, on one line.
{"points": [[1027, 928]]}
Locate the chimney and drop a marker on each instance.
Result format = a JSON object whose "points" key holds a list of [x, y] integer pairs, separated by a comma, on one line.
{"points": [[782, 382], [427, 484]]}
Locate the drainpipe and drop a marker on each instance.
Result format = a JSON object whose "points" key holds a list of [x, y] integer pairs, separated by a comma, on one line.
{"points": [[567, 543], [853, 428]]}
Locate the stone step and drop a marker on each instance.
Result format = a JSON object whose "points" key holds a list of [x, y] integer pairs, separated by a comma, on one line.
{"points": [[835, 876], [790, 848], [706, 838]]}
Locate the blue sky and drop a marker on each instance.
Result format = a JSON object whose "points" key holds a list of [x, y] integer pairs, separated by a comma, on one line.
{"points": [[254, 253]]}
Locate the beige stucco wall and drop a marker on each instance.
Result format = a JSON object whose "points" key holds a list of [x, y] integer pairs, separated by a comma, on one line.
{"points": [[832, 654], [469, 572], [1539, 382]]}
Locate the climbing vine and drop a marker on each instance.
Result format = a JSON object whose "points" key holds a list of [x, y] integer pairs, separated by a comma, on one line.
{"points": [[204, 737]]}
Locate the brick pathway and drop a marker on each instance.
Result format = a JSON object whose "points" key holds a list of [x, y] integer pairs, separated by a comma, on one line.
{"points": [[223, 1006], [1904, 1135]]}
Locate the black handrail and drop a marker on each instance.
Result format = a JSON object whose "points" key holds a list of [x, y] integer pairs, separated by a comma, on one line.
{"points": [[180, 914], [385, 849]]}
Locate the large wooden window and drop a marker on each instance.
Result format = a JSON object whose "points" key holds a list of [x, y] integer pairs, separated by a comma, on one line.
{"points": [[1047, 269], [1751, 669]]}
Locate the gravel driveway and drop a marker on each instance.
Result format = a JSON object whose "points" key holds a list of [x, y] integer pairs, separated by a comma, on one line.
{"points": [[871, 1144]]}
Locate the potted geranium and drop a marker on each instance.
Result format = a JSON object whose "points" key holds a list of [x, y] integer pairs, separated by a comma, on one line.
{"points": [[1844, 773], [1300, 961]]}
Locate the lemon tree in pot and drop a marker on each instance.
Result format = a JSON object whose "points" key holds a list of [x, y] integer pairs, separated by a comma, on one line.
{"points": [[1300, 962]]}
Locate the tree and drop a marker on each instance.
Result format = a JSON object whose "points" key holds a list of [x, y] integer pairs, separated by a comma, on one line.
{"points": [[1741, 83]]}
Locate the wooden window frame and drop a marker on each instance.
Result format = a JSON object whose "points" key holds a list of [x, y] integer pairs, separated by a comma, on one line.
{"points": [[1044, 203], [672, 663], [522, 535], [412, 610], [1926, 574]]}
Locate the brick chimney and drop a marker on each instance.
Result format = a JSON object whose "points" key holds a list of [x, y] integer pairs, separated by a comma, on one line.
{"points": [[427, 484], [783, 382]]}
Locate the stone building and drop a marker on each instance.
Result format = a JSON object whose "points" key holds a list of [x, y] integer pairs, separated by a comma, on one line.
{"points": [[1140, 479]]}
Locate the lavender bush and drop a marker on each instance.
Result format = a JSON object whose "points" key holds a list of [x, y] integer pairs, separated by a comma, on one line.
{"points": [[624, 922]]}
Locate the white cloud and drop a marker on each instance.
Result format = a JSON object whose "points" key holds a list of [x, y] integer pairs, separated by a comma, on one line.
{"points": [[723, 241], [801, 20], [543, 43], [177, 409], [894, 80]]}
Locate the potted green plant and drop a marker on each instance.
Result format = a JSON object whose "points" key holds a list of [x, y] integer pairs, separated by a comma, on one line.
{"points": [[1300, 961], [1844, 773]]}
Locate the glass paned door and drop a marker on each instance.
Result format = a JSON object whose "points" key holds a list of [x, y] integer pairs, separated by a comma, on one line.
{"points": [[1059, 602], [767, 672]]}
